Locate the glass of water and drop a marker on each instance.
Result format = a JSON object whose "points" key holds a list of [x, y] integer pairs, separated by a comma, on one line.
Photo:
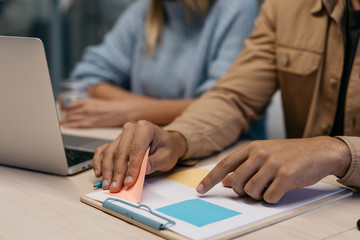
{"points": [[70, 91]]}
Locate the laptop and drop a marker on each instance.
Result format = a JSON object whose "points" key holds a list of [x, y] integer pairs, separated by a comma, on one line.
{"points": [[30, 134]]}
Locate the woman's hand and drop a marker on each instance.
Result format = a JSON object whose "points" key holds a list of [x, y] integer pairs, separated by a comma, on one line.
{"points": [[119, 161], [93, 112]]}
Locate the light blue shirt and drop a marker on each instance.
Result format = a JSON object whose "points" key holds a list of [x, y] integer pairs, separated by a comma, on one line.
{"points": [[190, 57]]}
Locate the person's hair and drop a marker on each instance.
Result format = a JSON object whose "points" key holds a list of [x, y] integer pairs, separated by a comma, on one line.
{"points": [[155, 19]]}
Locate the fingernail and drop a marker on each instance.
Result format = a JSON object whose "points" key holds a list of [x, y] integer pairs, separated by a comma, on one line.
{"points": [[128, 179], [113, 184], [200, 188], [105, 183], [96, 172], [148, 168]]}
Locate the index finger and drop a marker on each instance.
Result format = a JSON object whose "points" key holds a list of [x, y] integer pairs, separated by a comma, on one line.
{"points": [[107, 163], [74, 104], [143, 137], [222, 169], [97, 159]]}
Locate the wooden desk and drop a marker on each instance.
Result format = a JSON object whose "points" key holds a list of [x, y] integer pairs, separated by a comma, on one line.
{"points": [[43, 206]]}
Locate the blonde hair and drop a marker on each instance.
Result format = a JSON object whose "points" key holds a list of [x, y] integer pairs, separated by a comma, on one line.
{"points": [[155, 19]]}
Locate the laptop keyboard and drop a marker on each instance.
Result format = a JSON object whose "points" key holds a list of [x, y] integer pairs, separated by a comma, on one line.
{"points": [[75, 156]]}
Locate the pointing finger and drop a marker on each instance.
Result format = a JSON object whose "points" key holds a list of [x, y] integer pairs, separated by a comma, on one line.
{"points": [[223, 168]]}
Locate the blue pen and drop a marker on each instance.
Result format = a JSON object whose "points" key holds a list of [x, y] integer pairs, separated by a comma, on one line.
{"points": [[98, 184]]}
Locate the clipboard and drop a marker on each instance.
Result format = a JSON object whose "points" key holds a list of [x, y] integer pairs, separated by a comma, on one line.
{"points": [[155, 228], [163, 231]]}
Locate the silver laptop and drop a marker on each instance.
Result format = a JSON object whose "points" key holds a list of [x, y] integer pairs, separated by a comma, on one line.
{"points": [[30, 135]]}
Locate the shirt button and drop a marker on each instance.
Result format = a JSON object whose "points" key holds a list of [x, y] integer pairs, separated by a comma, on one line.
{"points": [[325, 129], [333, 82], [285, 61]]}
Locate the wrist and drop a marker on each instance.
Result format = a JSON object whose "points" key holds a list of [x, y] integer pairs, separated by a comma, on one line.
{"points": [[180, 144]]}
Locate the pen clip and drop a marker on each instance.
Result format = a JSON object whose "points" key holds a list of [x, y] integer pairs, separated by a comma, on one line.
{"points": [[137, 217]]}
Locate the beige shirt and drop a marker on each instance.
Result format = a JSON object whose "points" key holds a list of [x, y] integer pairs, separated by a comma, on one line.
{"points": [[296, 46]]}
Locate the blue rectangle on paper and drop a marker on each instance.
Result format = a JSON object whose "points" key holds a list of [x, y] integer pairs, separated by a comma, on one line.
{"points": [[198, 212]]}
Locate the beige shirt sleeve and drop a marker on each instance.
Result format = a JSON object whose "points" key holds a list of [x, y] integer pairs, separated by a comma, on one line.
{"points": [[352, 176], [217, 118], [241, 96]]}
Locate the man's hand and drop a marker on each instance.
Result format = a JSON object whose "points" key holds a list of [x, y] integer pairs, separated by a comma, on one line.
{"points": [[266, 170], [119, 161]]}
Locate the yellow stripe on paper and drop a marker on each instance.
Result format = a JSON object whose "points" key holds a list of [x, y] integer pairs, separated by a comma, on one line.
{"points": [[190, 177]]}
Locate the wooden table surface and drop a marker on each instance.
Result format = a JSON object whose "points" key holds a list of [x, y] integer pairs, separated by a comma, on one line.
{"points": [[42, 206]]}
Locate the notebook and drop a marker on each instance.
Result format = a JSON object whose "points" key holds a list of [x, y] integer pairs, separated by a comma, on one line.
{"points": [[30, 133]]}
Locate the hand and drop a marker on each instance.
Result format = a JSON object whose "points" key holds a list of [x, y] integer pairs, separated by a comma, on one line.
{"points": [[266, 170], [94, 112], [119, 161]]}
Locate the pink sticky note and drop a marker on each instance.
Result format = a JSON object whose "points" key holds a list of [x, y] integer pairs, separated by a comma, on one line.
{"points": [[135, 191]]}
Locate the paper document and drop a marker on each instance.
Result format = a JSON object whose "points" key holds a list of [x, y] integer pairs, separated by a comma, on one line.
{"points": [[220, 210]]}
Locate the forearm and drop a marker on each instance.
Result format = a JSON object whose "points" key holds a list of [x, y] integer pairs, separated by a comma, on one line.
{"points": [[158, 111], [108, 91], [209, 131]]}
